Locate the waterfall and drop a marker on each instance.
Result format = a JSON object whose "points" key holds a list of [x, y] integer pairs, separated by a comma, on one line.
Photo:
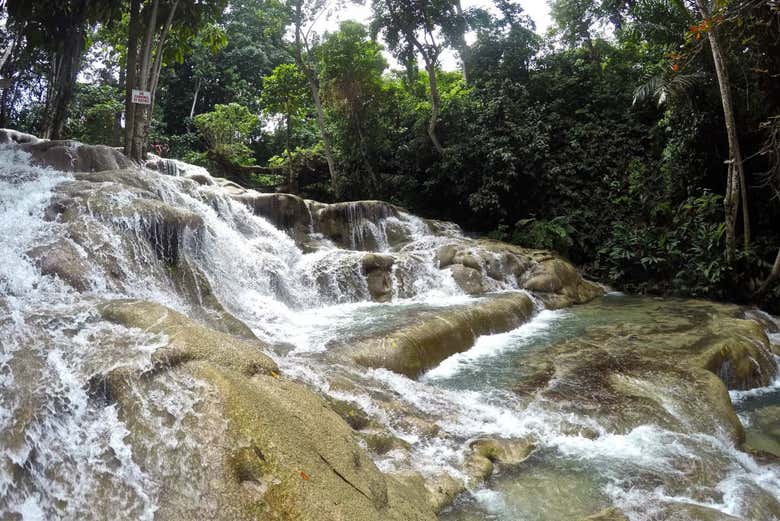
{"points": [[173, 235]]}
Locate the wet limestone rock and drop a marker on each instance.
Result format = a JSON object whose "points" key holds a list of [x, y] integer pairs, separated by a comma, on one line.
{"points": [[763, 433], [470, 280], [661, 361], [72, 156], [739, 353], [282, 454], [484, 265], [503, 451], [431, 336], [352, 225], [286, 211], [118, 198], [609, 514], [484, 454], [378, 270], [63, 259], [441, 489], [10, 137]]}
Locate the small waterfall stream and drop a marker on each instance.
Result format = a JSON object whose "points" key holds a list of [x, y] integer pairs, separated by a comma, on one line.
{"points": [[66, 452]]}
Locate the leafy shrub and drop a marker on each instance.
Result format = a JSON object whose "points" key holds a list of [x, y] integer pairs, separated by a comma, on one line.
{"points": [[228, 130], [553, 234], [684, 256]]}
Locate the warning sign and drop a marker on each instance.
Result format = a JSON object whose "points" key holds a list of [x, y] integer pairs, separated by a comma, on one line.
{"points": [[142, 97]]}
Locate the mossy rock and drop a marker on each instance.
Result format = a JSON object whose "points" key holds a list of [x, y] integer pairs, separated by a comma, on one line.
{"points": [[282, 453], [430, 337]]}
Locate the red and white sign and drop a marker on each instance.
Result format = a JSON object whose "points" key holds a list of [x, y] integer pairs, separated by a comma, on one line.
{"points": [[142, 97]]}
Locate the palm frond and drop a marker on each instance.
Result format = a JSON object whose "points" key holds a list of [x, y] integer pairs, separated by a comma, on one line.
{"points": [[665, 87]]}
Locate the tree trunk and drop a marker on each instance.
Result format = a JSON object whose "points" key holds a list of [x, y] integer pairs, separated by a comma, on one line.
{"points": [[10, 56], [736, 183], [132, 65], [463, 47], [324, 134], [430, 67], [144, 73], [301, 45], [195, 99], [770, 280], [292, 178], [7, 53], [148, 77], [372, 177], [66, 82]]}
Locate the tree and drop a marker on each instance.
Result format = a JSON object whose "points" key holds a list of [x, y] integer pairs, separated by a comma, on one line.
{"points": [[285, 92], [736, 183], [302, 15], [60, 27], [163, 22], [227, 130], [411, 28], [352, 67]]}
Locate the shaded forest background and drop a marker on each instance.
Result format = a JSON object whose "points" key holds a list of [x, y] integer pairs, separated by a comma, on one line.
{"points": [[603, 139]]}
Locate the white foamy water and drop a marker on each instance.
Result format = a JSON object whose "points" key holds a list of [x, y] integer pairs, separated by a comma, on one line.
{"points": [[774, 386], [493, 346]]}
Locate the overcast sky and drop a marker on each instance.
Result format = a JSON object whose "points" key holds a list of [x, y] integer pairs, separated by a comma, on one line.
{"points": [[539, 10]]}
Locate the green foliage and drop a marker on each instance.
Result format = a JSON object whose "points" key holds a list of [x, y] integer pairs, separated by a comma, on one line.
{"points": [[285, 92], [684, 257], [555, 234], [227, 130], [552, 141], [94, 114]]}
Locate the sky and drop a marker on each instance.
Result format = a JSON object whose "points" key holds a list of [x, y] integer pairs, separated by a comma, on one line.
{"points": [[539, 10]]}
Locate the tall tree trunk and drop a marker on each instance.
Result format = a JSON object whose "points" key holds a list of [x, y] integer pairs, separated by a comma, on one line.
{"points": [[463, 47], [372, 177], [292, 178], [314, 86], [430, 67], [195, 99], [66, 82], [770, 280], [144, 75], [736, 184], [132, 66], [301, 46], [7, 53], [9, 58], [149, 76]]}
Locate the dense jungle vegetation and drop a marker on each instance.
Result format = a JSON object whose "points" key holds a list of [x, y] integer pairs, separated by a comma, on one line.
{"points": [[639, 138]]}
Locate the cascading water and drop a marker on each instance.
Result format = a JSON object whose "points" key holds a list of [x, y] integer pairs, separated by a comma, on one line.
{"points": [[67, 452]]}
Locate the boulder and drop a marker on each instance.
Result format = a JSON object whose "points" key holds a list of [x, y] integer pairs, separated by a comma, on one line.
{"points": [[739, 353], [485, 453], [763, 432], [485, 265], [276, 451], [663, 362], [378, 270], [442, 489], [65, 260], [431, 336], [470, 280], [556, 276], [72, 156], [285, 211], [354, 225], [503, 451], [477, 468]]}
